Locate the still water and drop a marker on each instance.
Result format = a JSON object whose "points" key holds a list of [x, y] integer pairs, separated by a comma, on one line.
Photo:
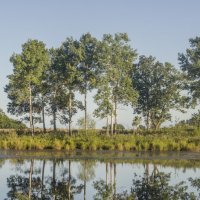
{"points": [[101, 175]]}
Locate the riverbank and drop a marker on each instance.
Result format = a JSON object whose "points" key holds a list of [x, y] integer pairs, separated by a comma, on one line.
{"points": [[169, 158], [93, 142]]}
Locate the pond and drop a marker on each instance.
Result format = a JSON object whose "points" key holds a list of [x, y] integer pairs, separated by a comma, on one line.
{"points": [[99, 175]]}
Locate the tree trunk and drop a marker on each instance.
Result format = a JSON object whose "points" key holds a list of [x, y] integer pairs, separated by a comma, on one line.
{"points": [[30, 180], [85, 167], [54, 111], [69, 178], [111, 123], [42, 185], [54, 120], [115, 174], [147, 123], [107, 126], [157, 126], [54, 178], [111, 178], [106, 173], [158, 123], [33, 126], [148, 120], [31, 110], [147, 172], [155, 170], [146, 196], [115, 115], [85, 98], [43, 119], [85, 118], [70, 113]]}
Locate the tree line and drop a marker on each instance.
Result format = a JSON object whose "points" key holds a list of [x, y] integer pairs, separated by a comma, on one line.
{"points": [[45, 81]]}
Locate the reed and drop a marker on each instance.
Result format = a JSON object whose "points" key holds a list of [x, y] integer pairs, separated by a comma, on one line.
{"points": [[164, 140]]}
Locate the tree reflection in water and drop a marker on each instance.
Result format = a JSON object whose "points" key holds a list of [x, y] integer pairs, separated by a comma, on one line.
{"points": [[59, 184], [86, 173], [154, 186], [40, 188], [65, 188], [23, 187]]}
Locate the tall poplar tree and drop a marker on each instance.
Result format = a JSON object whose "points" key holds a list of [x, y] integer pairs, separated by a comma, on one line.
{"points": [[190, 65], [87, 68], [68, 58], [115, 60], [26, 78], [54, 85]]}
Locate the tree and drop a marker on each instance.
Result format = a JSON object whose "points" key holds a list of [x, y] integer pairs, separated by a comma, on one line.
{"points": [[87, 69], [195, 119], [190, 65], [159, 86], [67, 59], [115, 59], [29, 67], [102, 99], [119, 127], [55, 92], [90, 122], [136, 122]]}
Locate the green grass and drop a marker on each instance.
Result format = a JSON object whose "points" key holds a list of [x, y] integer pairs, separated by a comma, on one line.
{"points": [[165, 140]]}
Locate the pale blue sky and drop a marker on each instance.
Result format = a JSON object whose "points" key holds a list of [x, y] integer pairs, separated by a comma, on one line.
{"points": [[155, 27]]}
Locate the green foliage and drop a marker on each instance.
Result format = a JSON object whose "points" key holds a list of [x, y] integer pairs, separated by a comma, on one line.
{"points": [[87, 65], [86, 170], [195, 183], [7, 123], [90, 122], [115, 59], [136, 121], [29, 67], [104, 192], [67, 59], [159, 87], [118, 127], [25, 81], [190, 64], [156, 186], [195, 120], [46, 81]]}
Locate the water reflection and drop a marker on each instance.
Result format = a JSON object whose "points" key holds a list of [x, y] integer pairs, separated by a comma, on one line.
{"points": [[65, 186], [155, 185], [70, 179], [86, 173], [43, 187]]}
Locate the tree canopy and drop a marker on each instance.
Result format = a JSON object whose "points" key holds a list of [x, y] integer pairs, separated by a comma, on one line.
{"points": [[24, 82], [47, 81], [190, 65], [159, 88]]}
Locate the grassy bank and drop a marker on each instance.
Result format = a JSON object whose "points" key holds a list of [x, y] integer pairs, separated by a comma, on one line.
{"points": [[164, 140]]}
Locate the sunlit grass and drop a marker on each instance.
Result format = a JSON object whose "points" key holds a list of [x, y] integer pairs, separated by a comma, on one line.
{"points": [[165, 140]]}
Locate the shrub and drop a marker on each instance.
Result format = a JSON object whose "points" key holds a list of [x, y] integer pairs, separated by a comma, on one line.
{"points": [[119, 147]]}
